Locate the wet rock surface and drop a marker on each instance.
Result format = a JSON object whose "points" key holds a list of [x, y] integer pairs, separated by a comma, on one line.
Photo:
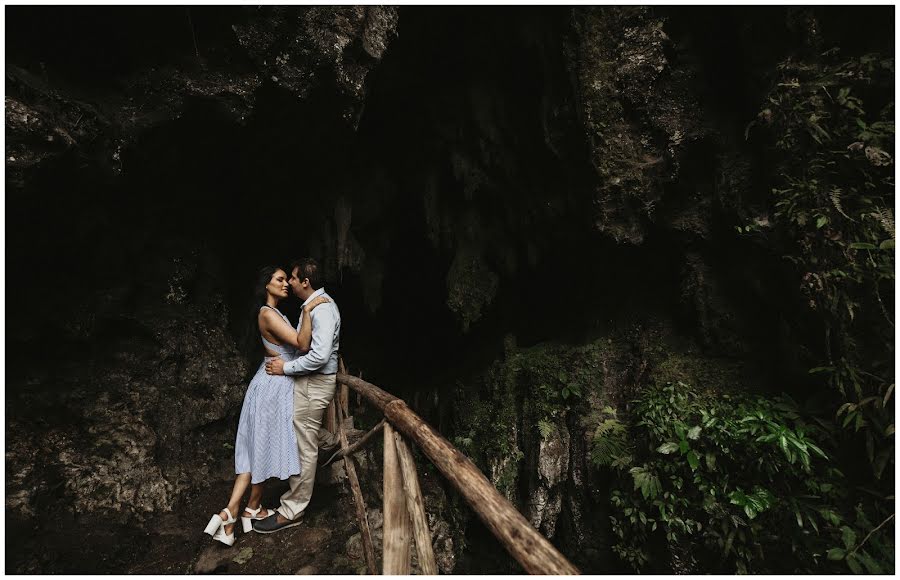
{"points": [[546, 496]]}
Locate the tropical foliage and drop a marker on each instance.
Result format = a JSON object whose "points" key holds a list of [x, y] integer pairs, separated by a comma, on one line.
{"points": [[747, 483], [739, 482], [833, 208]]}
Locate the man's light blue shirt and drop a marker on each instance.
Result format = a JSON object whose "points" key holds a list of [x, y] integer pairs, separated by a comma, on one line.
{"points": [[326, 333]]}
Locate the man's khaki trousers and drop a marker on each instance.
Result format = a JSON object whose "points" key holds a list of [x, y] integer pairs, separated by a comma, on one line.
{"points": [[312, 394]]}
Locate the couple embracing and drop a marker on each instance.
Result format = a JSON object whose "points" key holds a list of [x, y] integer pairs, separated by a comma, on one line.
{"points": [[278, 432]]}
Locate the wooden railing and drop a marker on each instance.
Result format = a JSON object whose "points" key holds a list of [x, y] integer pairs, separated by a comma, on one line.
{"points": [[404, 512]]}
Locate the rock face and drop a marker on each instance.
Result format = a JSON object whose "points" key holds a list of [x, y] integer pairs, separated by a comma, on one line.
{"points": [[146, 423], [547, 489], [42, 125], [302, 50], [562, 394], [293, 48], [638, 111]]}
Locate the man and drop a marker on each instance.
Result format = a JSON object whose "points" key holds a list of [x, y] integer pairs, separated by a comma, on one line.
{"points": [[315, 376]]}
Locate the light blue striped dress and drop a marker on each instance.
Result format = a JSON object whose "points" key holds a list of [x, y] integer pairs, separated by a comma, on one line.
{"points": [[266, 445]]}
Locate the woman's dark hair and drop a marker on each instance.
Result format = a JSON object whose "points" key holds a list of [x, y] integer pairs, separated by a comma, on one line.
{"points": [[250, 346], [263, 277]]}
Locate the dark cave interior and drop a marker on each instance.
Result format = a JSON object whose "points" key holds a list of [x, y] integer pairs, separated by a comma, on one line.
{"points": [[224, 197], [250, 194]]}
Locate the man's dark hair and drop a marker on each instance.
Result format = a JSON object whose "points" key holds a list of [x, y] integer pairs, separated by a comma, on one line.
{"points": [[308, 268]]}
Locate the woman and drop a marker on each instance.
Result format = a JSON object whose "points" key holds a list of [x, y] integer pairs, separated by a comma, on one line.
{"points": [[266, 445]]}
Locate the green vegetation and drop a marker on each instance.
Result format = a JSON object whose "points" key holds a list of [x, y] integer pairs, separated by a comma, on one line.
{"points": [[706, 471], [610, 444], [526, 398], [737, 480], [833, 209], [701, 467], [745, 483]]}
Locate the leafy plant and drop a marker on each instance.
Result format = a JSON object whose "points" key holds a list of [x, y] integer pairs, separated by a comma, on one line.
{"points": [[610, 446], [833, 207], [832, 122], [739, 480], [546, 428], [571, 390]]}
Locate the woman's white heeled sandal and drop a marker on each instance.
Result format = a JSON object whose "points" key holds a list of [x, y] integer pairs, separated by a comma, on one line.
{"points": [[216, 528], [254, 515]]}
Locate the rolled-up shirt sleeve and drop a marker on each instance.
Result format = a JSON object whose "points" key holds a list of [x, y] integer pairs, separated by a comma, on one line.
{"points": [[323, 325]]}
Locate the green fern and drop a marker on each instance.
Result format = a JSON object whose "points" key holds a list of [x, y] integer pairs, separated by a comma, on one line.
{"points": [[886, 218], [546, 429], [835, 196], [609, 446]]}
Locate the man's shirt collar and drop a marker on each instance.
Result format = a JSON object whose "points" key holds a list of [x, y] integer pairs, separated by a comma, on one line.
{"points": [[318, 292]]}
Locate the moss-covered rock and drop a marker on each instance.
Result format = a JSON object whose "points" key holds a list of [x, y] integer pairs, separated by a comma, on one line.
{"points": [[532, 422]]}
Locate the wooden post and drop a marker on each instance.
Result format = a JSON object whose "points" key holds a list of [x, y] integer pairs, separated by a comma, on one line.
{"points": [[343, 394], [530, 549], [344, 400], [416, 507], [363, 522], [329, 421], [395, 558]]}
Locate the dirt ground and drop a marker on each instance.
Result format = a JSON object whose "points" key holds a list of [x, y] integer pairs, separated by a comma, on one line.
{"points": [[316, 547], [175, 542], [328, 541]]}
